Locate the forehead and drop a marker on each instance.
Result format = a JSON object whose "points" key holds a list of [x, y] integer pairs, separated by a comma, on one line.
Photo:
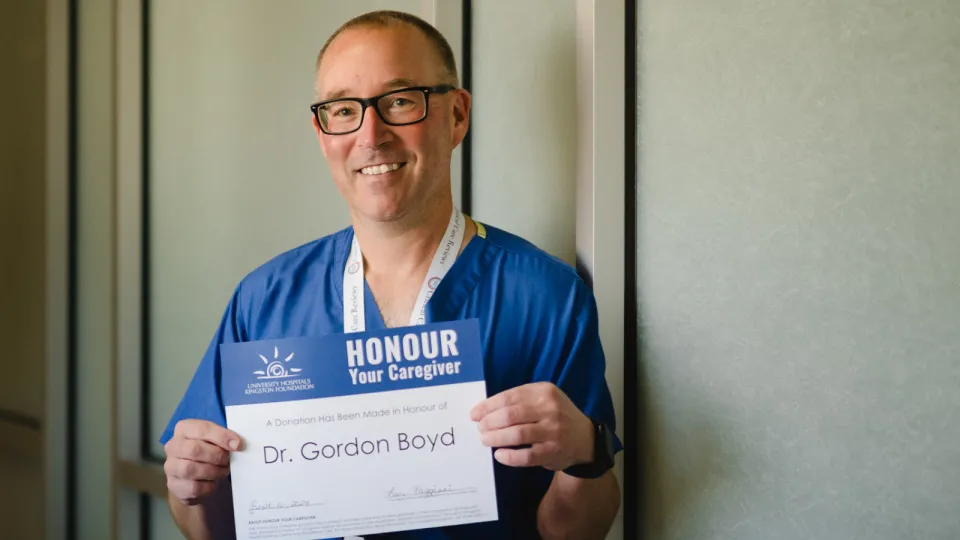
{"points": [[364, 61]]}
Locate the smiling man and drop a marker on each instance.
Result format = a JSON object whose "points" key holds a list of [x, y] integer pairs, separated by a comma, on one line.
{"points": [[388, 116]]}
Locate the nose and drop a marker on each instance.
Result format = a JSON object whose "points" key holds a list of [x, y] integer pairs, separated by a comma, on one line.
{"points": [[373, 132]]}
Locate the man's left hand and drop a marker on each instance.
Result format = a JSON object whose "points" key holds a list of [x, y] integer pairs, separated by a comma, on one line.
{"points": [[539, 415]]}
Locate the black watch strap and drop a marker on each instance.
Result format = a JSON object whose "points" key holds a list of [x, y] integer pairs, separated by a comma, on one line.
{"points": [[603, 455]]}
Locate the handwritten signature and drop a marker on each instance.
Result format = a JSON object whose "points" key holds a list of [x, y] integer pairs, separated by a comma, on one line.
{"points": [[256, 506], [419, 492]]}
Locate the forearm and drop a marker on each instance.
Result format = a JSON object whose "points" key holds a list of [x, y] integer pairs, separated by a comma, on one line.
{"points": [[212, 519], [579, 508]]}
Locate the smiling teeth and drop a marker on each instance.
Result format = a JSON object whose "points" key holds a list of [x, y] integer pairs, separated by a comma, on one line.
{"points": [[380, 169]]}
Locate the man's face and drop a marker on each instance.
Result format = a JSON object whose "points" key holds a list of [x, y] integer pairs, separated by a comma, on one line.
{"points": [[365, 62]]}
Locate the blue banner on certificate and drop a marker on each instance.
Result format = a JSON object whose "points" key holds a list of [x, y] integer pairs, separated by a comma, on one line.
{"points": [[361, 433]]}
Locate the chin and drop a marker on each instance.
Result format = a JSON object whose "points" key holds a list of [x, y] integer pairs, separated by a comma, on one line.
{"points": [[384, 213], [386, 205]]}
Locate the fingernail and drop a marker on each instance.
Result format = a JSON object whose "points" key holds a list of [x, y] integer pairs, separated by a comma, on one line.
{"points": [[234, 444]]}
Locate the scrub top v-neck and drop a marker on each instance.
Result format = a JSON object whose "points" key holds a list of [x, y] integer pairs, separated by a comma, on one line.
{"points": [[453, 288]]}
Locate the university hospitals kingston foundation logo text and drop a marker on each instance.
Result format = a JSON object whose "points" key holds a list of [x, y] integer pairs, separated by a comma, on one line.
{"points": [[278, 376]]}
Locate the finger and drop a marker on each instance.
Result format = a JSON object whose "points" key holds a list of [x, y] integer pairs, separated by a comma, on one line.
{"points": [[535, 456], [195, 450], [511, 415], [189, 491], [513, 436], [208, 431], [506, 398], [193, 470]]}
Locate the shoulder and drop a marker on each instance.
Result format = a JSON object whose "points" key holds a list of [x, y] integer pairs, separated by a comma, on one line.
{"points": [[530, 267], [311, 262]]}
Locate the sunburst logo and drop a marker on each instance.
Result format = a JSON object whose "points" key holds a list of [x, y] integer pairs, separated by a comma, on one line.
{"points": [[276, 369]]}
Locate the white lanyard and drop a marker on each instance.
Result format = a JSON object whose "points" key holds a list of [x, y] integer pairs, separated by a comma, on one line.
{"points": [[446, 254]]}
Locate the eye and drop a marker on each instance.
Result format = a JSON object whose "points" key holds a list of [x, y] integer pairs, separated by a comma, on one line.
{"points": [[341, 110], [400, 102]]}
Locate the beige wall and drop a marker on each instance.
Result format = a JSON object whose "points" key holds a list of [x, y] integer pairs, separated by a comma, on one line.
{"points": [[22, 246], [21, 206], [524, 120]]}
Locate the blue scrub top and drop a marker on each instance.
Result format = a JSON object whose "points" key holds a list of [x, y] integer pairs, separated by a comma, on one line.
{"points": [[538, 322]]}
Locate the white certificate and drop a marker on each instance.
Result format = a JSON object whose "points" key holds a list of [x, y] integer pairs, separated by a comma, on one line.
{"points": [[362, 433]]}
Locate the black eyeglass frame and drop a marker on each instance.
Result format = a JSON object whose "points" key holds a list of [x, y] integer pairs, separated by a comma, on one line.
{"points": [[372, 102]]}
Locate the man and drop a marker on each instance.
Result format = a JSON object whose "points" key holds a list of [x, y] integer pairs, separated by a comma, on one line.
{"points": [[388, 117]]}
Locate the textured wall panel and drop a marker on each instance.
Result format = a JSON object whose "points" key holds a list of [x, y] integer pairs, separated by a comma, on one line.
{"points": [[799, 267]]}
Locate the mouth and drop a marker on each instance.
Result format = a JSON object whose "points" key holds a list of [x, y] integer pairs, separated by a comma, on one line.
{"points": [[383, 168]]}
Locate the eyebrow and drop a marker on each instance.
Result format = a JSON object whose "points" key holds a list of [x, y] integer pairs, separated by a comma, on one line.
{"points": [[392, 85]]}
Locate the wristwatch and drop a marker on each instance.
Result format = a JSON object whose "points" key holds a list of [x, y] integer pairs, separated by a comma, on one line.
{"points": [[603, 455]]}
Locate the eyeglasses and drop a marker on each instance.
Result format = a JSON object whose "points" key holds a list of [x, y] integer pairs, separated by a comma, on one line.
{"points": [[396, 108]]}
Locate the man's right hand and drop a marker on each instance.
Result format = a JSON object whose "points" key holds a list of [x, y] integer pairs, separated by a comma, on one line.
{"points": [[198, 455]]}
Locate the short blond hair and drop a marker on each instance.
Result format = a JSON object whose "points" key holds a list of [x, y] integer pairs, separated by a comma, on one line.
{"points": [[386, 19]]}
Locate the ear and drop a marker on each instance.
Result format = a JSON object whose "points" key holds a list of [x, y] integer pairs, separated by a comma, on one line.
{"points": [[461, 116]]}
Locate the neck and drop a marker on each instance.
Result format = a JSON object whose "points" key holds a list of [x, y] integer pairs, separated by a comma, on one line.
{"points": [[402, 249]]}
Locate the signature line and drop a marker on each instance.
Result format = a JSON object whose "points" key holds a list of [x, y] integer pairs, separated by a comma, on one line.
{"points": [[262, 508], [407, 496]]}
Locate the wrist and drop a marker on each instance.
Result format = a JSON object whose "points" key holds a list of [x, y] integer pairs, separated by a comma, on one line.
{"points": [[595, 459], [587, 442]]}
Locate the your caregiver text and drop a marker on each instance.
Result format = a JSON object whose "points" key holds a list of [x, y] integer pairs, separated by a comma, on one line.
{"points": [[366, 356]]}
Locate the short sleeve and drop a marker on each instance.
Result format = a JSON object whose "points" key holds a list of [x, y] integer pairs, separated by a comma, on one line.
{"points": [[203, 399], [574, 359]]}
